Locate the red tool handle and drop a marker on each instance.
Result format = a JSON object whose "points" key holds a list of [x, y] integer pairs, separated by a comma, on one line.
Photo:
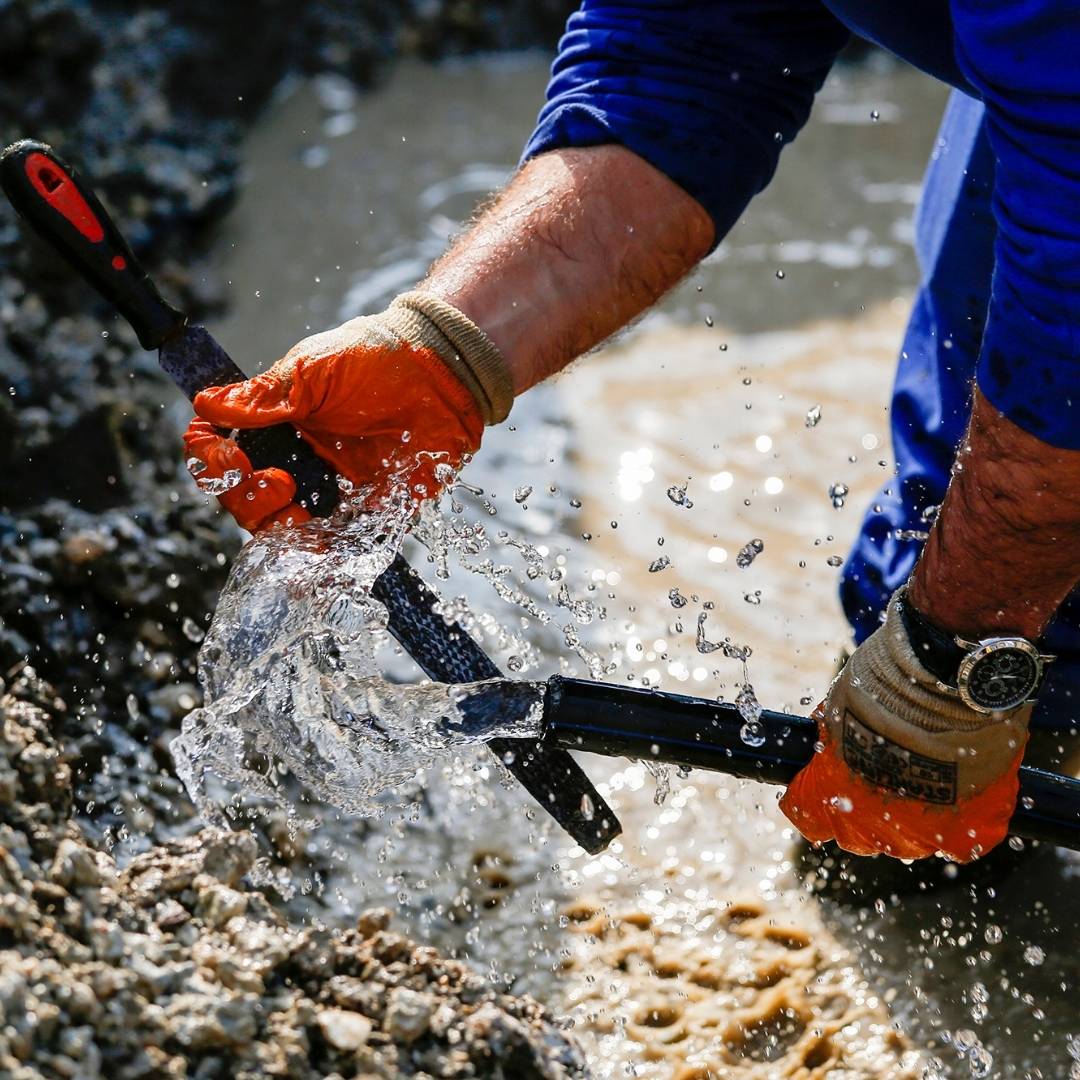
{"points": [[50, 196]]}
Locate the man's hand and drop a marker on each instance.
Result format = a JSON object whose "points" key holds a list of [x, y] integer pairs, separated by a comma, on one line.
{"points": [[579, 243], [384, 399], [906, 768], [1002, 556]]}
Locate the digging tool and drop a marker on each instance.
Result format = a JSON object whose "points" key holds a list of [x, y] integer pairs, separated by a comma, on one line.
{"points": [[621, 721], [51, 197], [700, 733]]}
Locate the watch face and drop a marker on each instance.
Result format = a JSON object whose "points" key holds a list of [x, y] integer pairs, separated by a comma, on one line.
{"points": [[1000, 675]]}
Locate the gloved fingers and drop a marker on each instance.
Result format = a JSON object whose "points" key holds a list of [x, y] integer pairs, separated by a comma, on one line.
{"points": [[827, 801], [255, 497], [257, 402], [293, 514], [262, 498], [210, 456]]}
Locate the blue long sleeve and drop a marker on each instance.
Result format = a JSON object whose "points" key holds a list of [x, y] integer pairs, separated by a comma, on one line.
{"points": [[707, 92], [1022, 59]]}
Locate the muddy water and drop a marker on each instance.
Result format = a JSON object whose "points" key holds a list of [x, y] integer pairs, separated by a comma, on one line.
{"points": [[691, 949]]}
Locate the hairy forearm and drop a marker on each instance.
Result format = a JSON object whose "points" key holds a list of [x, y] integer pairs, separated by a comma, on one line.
{"points": [[1005, 549], [580, 243]]}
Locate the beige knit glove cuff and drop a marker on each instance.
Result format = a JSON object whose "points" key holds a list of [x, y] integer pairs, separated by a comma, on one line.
{"points": [[465, 349], [897, 729]]}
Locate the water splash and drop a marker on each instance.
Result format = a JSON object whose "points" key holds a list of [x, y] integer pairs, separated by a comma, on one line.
{"points": [[752, 731], [292, 686]]}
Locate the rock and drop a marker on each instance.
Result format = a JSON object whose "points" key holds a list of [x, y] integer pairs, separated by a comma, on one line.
{"points": [[201, 1025], [218, 904], [75, 866], [343, 1030], [370, 922], [229, 856], [85, 547], [408, 1014]]}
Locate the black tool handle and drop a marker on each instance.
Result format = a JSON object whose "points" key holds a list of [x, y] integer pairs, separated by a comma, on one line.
{"points": [[49, 194], [622, 721]]}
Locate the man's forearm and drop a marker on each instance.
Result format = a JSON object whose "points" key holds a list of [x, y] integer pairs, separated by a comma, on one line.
{"points": [[1005, 550], [580, 243]]}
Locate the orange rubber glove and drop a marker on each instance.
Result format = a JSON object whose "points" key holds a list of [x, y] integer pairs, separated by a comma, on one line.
{"points": [[904, 768], [379, 397]]}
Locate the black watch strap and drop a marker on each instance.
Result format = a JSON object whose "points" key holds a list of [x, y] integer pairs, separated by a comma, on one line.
{"points": [[936, 650]]}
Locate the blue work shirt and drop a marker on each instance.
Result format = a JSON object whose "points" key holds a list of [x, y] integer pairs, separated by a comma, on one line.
{"points": [[709, 93]]}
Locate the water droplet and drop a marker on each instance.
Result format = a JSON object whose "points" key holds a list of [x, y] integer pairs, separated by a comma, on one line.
{"points": [[677, 494], [838, 492], [835, 560], [753, 597], [813, 415], [752, 733], [522, 493], [132, 706], [747, 703], [658, 564], [588, 808], [875, 116], [172, 581], [993, 934], [964, 1040], [981, 1061], [749, 552], [780, 275], [1034, 955], [219, 485], [192, 630], [677, 599], [195, 466]]}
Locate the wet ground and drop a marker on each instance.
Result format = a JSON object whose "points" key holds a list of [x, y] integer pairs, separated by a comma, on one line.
{"points": [[691, 950]]}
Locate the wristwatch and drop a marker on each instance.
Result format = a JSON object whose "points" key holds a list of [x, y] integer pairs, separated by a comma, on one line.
{"points": [[992, 675]]}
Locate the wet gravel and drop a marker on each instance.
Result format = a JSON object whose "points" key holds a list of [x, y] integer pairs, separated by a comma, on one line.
{"points": [[173, 966], [130, 940]]}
